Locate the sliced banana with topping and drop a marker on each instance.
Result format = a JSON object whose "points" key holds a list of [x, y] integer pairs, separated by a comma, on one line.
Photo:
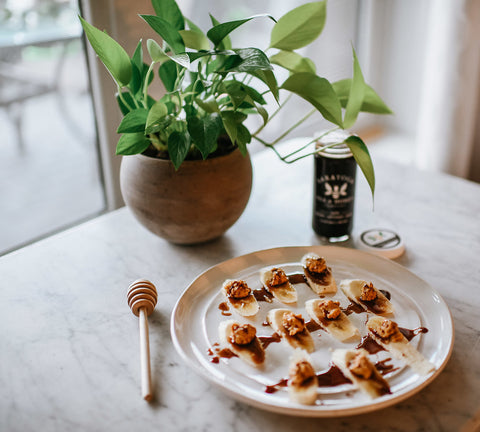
{"points": [[291, 327], [358, 368], [330, 317], [366, 296], [240, 297], [318, 275], [302, 383], [387, 334], [242, 340], [276, 282]]}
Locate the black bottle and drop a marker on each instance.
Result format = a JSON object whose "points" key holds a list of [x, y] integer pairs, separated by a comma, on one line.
{"points": [[334, 191]]}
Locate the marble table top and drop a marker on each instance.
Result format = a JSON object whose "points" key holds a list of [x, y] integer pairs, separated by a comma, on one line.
{"points": [[69, 343]]}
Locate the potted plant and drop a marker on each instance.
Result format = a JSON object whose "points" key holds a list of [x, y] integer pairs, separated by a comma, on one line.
{"points": [[197, 131]]}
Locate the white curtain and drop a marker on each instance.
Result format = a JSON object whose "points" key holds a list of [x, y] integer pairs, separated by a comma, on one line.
{"points": [[449, 107]]}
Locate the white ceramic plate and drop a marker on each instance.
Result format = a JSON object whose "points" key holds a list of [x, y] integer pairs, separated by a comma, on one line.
{"points": [[196, 316]]}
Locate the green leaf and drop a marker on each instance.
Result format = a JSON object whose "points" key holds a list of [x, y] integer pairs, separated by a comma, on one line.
{"points": [[209, 105], [225, 43], [252, 59], [192, 26], [132, 143], [157, 113], [136, 81], [268, 77], [293, 62], [112, 55], [372, 103], [167, 31], [231, 121], [299, 27], [195, 40], [236, 91], [181, 59], [239, 91], [127, 96], [134, 121], [168, 74], [217, 33], [137, 58], [262, 111], [169, 11], [319, 92], [156, 52], [243, 138], [363, 159], [178, 146], [204, 132], [356, 96]]}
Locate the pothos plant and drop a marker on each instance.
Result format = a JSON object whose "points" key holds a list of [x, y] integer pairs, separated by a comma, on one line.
{"points": [[212, 86]]}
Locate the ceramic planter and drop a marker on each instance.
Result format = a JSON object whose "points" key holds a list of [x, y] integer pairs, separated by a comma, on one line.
{"points": [[197, 203]]}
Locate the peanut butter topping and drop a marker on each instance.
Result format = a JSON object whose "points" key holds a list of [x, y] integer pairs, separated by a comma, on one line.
{"points": [[238, 289], [243, 334], [361, 366], [300, 372], [316, 265], [331, 309], [389, 330], [278, 277], [293, 323], [368, 292]]}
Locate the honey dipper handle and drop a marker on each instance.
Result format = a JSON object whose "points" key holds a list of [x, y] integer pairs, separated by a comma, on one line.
{"points": [[145, 356]]}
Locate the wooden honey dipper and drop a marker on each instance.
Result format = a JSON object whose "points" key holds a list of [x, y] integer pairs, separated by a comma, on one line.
{"points": [[142, 298]]}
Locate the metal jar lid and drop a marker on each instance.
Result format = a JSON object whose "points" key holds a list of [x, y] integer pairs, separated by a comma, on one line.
{"points": [[383, 242], [339, 151]]}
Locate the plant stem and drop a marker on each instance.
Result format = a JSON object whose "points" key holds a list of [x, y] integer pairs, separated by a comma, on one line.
{"points": [[286, 157], [120, 95], [273, 115], [145, 86], [298, 123]]}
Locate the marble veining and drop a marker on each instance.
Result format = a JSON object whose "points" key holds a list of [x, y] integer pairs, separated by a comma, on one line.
{"points": [[69, 343]]}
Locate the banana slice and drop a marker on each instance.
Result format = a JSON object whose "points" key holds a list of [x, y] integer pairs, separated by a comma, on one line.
{"points": [[276, 281], [319, 276], [302, 383], [367, 296], [387, 334], [329, 316], [291, 327], [240, 297], [242, 340], [357, 367]]}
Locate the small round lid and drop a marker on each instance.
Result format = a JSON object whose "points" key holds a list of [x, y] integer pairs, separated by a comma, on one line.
{"points": [[383, 242]]}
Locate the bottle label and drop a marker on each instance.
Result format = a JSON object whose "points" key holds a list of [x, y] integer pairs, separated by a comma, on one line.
{"points": [[334, 195]]}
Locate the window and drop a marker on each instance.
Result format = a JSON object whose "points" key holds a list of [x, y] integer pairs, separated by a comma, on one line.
{"points": [[49, 166]]}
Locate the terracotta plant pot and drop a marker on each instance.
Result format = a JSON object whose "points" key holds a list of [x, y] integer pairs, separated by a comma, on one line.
{"points": [[197, 203]]}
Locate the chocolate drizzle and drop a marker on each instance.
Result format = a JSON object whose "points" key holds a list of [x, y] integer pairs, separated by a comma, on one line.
{"points": [[332, 377], [386, 294], [369, 344], [322, 278], [410, 334], [263, 295], [385, 368], [224, 308], [353, 308], [215, 353], [312, 326], [297, 278], [267, 340]]}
